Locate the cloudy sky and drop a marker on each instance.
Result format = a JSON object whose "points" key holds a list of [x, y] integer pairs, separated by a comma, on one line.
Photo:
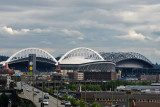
{"points": [[60, 25]]}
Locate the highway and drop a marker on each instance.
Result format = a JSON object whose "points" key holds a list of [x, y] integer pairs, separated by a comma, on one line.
{"points": [[29, 95]]}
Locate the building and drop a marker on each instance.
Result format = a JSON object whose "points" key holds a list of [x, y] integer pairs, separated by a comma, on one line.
{"points": [[151, 78], [137, 88], [76, 75], [131, 64], [7, 70], [100, 76], [106, 99], [3, 81], [85, 59]]}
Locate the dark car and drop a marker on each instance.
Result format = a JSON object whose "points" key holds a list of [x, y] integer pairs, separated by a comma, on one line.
{"points": [[37, 91], [63, 102], [40, 99], [34, 93], [46, 96]]}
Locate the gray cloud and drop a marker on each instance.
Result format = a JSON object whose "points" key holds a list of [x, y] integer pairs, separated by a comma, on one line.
{"points": [[99, 24]]}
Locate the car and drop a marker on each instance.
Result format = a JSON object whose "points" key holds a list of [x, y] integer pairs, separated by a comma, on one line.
{"points": [[45, 102], [37, 91], [67, 103], [40, 99], [34, 93], [46, 96], [28, 90], [63, 102]]}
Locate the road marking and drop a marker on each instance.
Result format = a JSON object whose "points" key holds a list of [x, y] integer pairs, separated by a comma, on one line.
{"points": [[26, 96]]}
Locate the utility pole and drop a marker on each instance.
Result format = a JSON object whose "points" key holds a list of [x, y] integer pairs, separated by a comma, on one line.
{"points": [[57, 96], [21, 86], [42, 94], [16, 85], [67, 91], [128, 100], [112, 94], [85, 93], [48, 84], [33, 87]]}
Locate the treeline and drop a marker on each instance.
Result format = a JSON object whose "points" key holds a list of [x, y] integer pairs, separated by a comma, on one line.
{"points": [[3, 58], [113, 84], [110, 85], [80, 103]]}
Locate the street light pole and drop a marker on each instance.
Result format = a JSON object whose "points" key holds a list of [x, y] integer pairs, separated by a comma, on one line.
{"points": [[128, 100], [85, 93], [112, 94], [42, 93], [21, 83], [57, 96], [33, 88]]}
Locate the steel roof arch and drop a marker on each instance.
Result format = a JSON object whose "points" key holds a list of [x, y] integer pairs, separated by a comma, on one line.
{"points": [[69, 52], [42, 52]]}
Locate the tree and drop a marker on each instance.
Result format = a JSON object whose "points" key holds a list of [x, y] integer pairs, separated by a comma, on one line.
{"points": [[82, 103], [3, 100], [65, 97], [95, 104], [73, 101]]}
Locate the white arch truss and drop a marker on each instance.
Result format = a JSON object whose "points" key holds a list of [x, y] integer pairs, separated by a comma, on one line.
{"points": [[24, 53], [81, 54]]}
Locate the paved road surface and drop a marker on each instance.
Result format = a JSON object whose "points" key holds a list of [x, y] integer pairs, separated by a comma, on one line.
{"points": [[29, 95]]}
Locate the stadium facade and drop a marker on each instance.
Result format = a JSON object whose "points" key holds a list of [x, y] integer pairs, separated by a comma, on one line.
{"points": [[85, 60], [132, 64]]}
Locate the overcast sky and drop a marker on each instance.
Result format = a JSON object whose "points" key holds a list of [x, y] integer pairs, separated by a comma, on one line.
{"points": [[60, 25]]}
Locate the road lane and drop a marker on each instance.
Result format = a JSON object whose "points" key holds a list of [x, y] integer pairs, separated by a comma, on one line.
{"points": [[29, 95]]}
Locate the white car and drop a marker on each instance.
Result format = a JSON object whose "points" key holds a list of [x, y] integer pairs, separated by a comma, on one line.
{"points": [[67, 103], [45, 102], [28, 90]]}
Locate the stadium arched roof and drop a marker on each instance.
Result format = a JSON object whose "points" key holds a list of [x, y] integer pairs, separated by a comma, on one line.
{"points": [[119, 56], [80, 55], [24, 53]]}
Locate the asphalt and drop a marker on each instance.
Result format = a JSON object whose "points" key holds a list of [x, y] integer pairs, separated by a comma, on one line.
{"points": [[29, 95]]}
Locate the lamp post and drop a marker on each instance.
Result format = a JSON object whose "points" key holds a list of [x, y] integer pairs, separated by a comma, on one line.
{"points": [[21, 83], [42, 94], [128, 100], [57, 95], [33, 87], [112, 94], [85, 93]]}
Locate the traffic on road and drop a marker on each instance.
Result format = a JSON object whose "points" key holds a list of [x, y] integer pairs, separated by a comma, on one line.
{"points": [[37, 98]]}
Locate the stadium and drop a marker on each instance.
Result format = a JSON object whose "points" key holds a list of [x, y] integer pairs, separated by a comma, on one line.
{"points": [[84, 60], [131, 64], [20, 60]]}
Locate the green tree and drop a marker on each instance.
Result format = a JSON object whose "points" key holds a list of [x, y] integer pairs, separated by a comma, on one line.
{"points": [[3, 100], [116, 83], [73, 101], [95, 104], [82, 103], [83, 87]]}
